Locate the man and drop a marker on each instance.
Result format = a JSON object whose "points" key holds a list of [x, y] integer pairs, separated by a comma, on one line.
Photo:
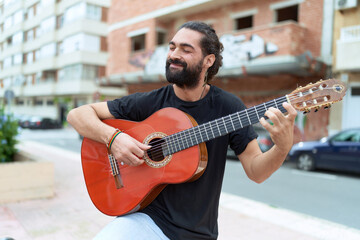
{"points": [[187, 210]]}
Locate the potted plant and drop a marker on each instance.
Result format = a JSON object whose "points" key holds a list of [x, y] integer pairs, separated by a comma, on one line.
{"points": [[22, 176]]}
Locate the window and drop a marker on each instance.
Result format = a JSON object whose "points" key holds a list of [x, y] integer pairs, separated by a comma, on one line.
{"points": [[38, 102], [243, 22], [355, 91], [7, 62], [8, 22], [9, 41], [49, 76], [30, 58], [287, 13], [138, 43], [18, 59], [93, 12], [161, 38], [90, 72], [80, 42], [30, 12], [347, 136], [17, 38], [48, 50], [18, 17], [30, 35], [59, 21], [75, 12], [37, 55], [47, 25], [70, 73]]}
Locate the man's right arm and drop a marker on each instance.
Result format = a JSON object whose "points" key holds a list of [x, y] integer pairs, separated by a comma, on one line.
{"points": [[87, 122]]}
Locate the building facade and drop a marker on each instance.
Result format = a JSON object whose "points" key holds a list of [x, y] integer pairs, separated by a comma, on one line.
{"points": [[53, 55], [346, 64], [270, 47]]}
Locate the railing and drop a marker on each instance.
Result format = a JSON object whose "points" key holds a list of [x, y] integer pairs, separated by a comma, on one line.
{"points": [[350, 34]]}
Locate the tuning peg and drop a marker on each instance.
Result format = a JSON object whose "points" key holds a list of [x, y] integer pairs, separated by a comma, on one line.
{"points": [[327, 106], [317, 109], [306, 111]]}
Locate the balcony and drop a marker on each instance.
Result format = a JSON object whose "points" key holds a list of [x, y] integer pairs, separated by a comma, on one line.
{"points": [[348, 49]]}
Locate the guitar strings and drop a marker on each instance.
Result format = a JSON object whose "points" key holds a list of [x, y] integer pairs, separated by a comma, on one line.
{"points": [[251, 113]]}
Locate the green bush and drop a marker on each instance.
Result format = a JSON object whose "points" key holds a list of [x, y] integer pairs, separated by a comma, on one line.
{"points": [[8, 133]]}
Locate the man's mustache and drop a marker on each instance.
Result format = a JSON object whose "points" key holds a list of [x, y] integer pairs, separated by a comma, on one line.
{"points": [[176, 61]]}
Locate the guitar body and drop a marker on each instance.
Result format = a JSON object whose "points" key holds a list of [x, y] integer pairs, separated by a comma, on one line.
{"points": [[140, 184]]}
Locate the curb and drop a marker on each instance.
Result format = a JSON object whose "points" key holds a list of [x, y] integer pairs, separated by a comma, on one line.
{"points": [[298, 222]]}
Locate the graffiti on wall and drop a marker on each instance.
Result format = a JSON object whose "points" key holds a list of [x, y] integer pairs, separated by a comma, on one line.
{"points": [[238, 51], [140, 60]]}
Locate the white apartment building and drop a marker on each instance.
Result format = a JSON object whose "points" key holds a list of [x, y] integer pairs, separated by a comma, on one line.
{"points": [[53, 55]]}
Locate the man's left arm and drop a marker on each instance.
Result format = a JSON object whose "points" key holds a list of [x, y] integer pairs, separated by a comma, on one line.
{"points": [[260, 166]]}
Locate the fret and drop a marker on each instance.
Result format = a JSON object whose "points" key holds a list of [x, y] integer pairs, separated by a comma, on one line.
{"points": [[281, 108], [186, 139], [207, 136], [191, 135], [166, 150], [178, 142], [245, 121], [256, 113], [202, 140], [232, 123], [168, 143], [248, 116], [276, 104], [261, 111], [212, 131], [218, 127], [238, 114], [225, 125]]}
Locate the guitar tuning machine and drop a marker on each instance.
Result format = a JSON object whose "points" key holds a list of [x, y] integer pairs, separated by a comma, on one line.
{"points": [[327, 106], [317, 109], [307, 110]]}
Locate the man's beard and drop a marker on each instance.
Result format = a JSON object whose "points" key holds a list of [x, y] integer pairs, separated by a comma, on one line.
{"points": [[187, 77]]}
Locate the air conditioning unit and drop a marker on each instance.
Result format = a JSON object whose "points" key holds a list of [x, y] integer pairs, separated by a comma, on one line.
{"points": [[345, 4]]}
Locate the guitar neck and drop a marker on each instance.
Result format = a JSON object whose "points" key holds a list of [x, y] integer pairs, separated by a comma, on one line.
{"points": [[219, 127]]}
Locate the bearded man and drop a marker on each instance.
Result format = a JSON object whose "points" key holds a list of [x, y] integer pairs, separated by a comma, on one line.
{"points": [[186, 210]]}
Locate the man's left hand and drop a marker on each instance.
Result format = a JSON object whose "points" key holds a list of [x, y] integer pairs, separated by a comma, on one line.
{"points": [[282, 129]]}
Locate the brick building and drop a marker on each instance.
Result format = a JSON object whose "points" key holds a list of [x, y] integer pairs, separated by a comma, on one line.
{"points": [[346, 64], [271, 47]]}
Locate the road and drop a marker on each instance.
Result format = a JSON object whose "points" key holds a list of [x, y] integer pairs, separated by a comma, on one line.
{"points": [[327, 195]]}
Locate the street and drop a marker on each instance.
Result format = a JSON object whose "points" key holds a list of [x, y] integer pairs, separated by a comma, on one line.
{"points": [[327, 195]]}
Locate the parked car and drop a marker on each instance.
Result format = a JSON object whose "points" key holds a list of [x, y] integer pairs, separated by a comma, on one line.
{"points": [[23, 121], [43, 123], [263, 139], [339, 152]]}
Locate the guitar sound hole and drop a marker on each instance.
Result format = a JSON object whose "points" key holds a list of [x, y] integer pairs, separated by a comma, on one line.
{"points": [[155, 153]]}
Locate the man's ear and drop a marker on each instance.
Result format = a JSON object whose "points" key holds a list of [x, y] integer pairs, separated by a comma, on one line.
{"points": [[209, 60]]}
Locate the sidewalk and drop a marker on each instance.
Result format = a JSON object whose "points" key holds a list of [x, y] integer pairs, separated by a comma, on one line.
{"points": [[70, 214]]}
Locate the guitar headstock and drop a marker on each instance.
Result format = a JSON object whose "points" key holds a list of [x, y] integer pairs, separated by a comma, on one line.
{"points": [[316, 95]]}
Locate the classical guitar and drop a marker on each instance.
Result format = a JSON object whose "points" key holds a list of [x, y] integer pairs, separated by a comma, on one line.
{"points": [[178, 153]]}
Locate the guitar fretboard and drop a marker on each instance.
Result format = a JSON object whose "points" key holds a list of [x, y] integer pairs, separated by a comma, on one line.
{"points": [[219, 127]]}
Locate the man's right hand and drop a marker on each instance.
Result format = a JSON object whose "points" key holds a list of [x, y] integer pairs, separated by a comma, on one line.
{"points": [[128, 150]]}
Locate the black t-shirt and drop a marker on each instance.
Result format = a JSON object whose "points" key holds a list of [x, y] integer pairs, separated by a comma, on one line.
{"points": [[189, 210]]}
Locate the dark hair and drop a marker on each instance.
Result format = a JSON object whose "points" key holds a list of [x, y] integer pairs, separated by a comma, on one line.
{"points": [[210, 44]]}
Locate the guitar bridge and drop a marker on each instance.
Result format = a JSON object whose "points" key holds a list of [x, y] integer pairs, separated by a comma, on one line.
{"points": [[115, 171]]}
